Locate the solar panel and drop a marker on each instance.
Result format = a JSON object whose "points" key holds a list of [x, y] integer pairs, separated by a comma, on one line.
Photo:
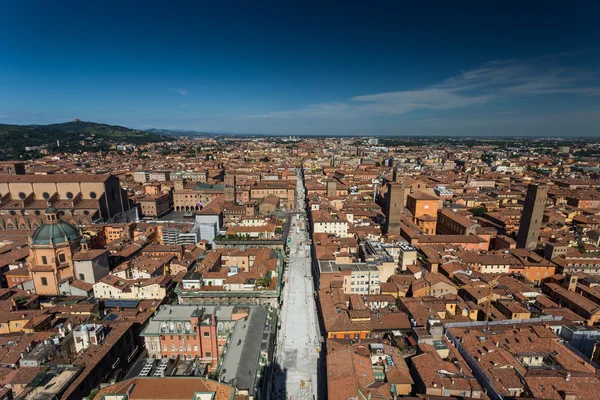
{"points": [[390, 361], [110, 317], [121, 303]]}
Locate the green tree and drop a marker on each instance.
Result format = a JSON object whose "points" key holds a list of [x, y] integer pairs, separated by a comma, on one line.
{"points": [[478, 211]]}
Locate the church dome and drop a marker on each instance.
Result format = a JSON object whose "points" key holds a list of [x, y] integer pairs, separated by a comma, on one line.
{"points": [[55, 231]]}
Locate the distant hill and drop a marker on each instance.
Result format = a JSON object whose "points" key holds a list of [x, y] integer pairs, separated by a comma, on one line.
{"points": [[73, 136]]}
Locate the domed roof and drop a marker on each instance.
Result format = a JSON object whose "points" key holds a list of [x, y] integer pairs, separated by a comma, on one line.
{"points": [[58, 232], [51, 210]]}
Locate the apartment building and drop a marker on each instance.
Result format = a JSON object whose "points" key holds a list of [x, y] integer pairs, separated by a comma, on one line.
{"points": [[170, 234], [524, 360], [330, 223], [115, 287], [453, 223], [155, 205], [190, 332]]}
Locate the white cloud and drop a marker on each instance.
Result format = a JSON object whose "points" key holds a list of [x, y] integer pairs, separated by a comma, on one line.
{"points": [[406, 101], [181, 91], [494, 81]]}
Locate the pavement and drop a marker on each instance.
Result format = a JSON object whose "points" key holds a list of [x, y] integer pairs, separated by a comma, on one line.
{"points": [[298, 339]]}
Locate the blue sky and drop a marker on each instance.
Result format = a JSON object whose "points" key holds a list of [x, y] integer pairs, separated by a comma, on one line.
{"points": [[364, 68]]}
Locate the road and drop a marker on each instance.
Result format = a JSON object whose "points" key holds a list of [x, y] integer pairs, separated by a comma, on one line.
{"points": [[298, 340]]}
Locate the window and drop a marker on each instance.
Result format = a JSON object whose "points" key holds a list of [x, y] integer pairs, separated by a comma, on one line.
{"points": [[93, 195], [195, 347], [44, 260], [46, 195], [44, 282], [69, 195], [62, 258], [153, 346], [164, 347], [81, 277], [208, 354], [22, 195], [206, 334]]}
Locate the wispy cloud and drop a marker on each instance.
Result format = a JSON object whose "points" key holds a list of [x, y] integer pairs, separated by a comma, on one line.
{"points": [[508, 112], [181, 91], [492, 82]]}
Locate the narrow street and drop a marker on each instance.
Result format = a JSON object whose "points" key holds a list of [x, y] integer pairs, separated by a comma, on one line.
{"points": [[298, 340]]}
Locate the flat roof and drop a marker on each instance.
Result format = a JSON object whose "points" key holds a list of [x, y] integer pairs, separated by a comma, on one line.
{"points": [[242, 358], [328, 266]]}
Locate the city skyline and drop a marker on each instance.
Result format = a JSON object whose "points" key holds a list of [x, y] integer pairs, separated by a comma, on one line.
{"points": [[465, 70]]}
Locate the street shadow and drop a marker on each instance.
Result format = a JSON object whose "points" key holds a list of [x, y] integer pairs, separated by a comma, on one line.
{"points": [[271, 385], [322, 373]]}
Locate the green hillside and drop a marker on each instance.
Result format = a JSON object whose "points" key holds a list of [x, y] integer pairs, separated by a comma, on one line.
{"points": [[74, 136]]}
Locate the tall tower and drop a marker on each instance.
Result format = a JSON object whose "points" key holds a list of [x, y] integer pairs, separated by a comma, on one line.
{"points": [[332, 161], [531, 218], [394, 206], [230, 190], [331, 188]]}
